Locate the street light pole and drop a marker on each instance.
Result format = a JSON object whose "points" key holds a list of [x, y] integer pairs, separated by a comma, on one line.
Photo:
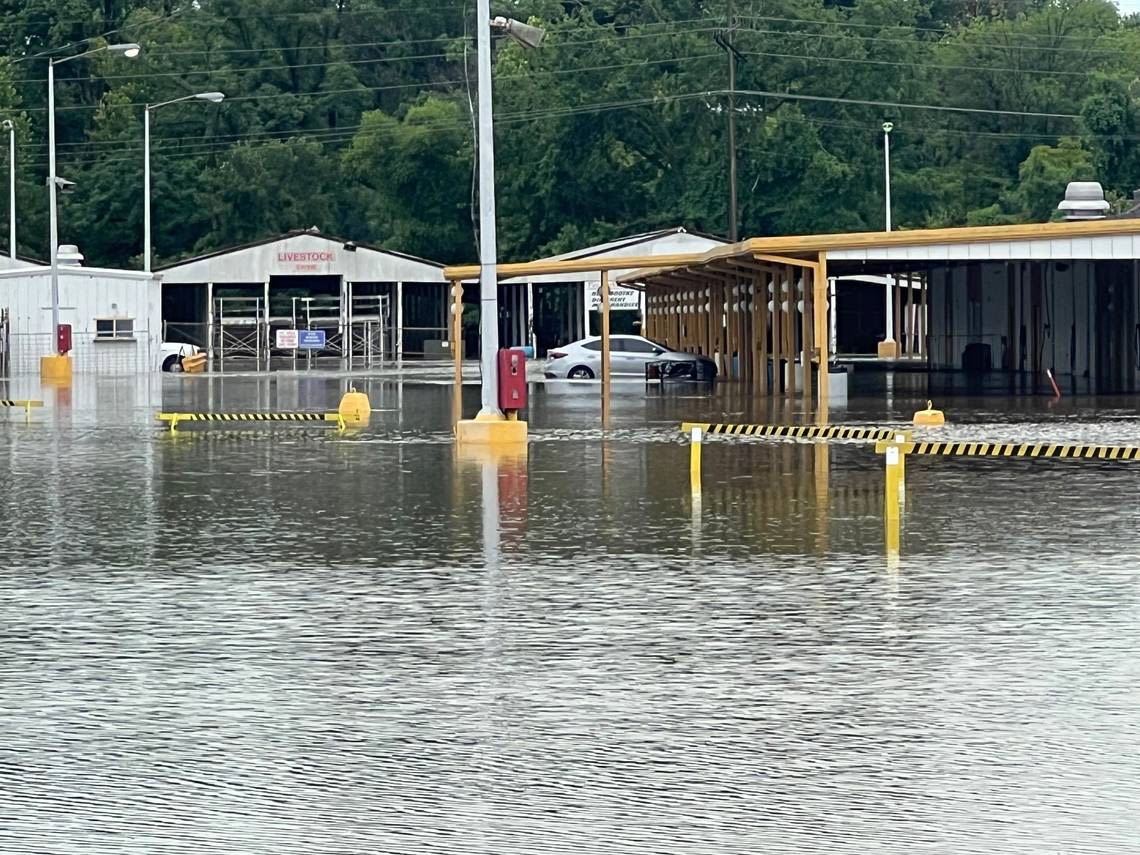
{"points": [[887, 128], [890, 286], [53, 224], [490, 425], [213, 98], [11, 126], [488, 277], [146, 188], [129, 50]]}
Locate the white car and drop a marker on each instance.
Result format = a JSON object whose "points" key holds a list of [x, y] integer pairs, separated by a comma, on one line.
{"points": [[170, 354], [629, 354]]}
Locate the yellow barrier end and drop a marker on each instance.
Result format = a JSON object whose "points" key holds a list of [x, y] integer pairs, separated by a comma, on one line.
{"points": [[929, 417], [355, 409], [194, 364]]}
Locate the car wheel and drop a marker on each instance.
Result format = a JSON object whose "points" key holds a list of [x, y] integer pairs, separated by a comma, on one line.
{"points": [[580, 372], [172, 365]]}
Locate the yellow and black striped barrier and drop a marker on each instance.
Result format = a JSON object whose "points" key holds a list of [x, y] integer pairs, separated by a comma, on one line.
{"points": [[868, 434], [26, 406], [1043, 450], [176, 418]]}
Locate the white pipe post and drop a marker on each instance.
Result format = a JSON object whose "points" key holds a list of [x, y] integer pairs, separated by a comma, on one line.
{"points": [[12, 190], [53, 230], [488, 276], [890, 286], [146, 188]]}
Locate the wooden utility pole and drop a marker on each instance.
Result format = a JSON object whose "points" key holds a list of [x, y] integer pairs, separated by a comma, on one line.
{"points": [[730, 49]]}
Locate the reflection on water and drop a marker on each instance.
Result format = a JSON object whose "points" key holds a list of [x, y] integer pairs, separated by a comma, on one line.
{"points": [[302, 642]]}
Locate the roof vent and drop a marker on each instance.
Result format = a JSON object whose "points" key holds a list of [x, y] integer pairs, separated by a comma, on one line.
{"points": [[68, 255], [1084, 200]]}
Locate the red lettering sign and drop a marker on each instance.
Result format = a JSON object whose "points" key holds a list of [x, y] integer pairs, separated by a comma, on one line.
{"points": [[306, 257]]}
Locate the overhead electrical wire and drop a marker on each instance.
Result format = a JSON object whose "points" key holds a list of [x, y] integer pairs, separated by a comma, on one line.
{"points": [[343, 135]]}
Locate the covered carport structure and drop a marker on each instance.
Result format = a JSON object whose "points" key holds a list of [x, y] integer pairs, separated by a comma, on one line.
{"points": [[995, 305], [991, 304]]}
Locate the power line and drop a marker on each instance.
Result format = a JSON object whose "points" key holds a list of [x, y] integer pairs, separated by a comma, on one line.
{"points": [[949, 41], [361, 89], [347, 134], [548, 45], [792, 96], [853, 60], [941, 31]]}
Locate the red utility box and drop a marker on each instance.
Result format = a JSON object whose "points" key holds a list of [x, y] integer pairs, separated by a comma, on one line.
{"points": [[512, 379], [63, 338]]}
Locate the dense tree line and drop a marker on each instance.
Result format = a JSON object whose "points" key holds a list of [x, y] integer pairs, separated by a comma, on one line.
{"points": [[355, 116]]}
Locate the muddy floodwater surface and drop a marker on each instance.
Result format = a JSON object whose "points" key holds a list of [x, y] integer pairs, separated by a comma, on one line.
{"points": [[299, 641]]}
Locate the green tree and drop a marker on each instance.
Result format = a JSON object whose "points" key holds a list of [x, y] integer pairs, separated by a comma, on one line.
{"points": [[417, 174]]}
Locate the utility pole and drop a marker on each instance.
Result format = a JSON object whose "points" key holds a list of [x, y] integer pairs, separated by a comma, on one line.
{"points": [[733, 233]]}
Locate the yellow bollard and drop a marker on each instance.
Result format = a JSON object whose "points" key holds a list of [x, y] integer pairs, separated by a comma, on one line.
{"points": [[892, 498], [929, 417], [695, 462], [355, 409], [901, 438]]}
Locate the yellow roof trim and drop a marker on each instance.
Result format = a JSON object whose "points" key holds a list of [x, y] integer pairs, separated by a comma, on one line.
{"points": [[791, 245]]}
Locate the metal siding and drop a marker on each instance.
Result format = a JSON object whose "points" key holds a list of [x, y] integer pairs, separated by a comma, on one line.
{"points": [[1123, 247], [1084, 248], [1100, 247], [84, 295], [257, 263]]}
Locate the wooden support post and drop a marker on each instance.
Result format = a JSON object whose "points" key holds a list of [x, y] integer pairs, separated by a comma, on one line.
{"points": [[777, 332], [729, 336], [910, 342], [790, 332], [756, 330], [822, 327], [457, 330], [898, 318], [920, 311], [762, 330], [605, 295], [706, 321], [806, 333]]}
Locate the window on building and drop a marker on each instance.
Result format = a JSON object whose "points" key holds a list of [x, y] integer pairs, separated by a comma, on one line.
{"points": [[107, 329]]}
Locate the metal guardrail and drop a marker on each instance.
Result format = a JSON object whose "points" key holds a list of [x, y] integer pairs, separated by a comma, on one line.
{"points": [[228, 418], [26, 406], [869, 434], [1055, 450]]}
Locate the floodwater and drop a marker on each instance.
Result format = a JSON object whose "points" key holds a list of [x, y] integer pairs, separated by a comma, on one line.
{"points": [[296, 641]]}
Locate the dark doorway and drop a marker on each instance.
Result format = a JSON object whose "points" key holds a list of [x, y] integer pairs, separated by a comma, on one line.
{"points": [[557, 315], [860, 316], [184, 313]]}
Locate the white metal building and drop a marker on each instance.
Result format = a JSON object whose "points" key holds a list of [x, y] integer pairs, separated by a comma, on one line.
{"points": [[548, 310], [115, 316], [370, 304]]}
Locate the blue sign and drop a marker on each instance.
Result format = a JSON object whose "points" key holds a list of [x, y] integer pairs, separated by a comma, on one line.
{"points": [[310, 339]]}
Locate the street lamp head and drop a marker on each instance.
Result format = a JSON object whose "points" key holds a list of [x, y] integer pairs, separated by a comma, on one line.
{"points": [[888, 127], [61, 184], [212, 97], [524, 34], [7, 124], [128, 49]]}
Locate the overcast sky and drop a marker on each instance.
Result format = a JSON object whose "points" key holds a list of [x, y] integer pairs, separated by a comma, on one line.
{"points": [[1128, 7]]}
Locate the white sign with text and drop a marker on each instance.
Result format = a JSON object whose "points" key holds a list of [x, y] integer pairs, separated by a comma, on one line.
{"points": [[621, 299]]}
